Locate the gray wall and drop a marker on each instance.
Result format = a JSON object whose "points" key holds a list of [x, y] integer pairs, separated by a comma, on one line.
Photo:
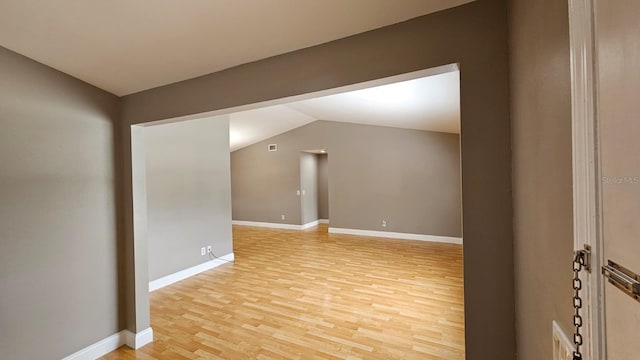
{"points": [[410, 178], [58, 247], [188, 193], [274, 189], [541, 131], [323, 186], [473, 35], [309, 187]]}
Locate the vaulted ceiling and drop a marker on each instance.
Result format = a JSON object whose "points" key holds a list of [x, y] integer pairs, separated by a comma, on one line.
{"points": [[126, 46], [429, 103]]}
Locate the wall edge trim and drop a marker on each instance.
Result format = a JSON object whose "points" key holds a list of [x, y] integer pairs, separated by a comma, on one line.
{"points": [[310, 225], [397, 235], [139, 339], [99, 348], [564, 343], [186, 273], [277, 225]]}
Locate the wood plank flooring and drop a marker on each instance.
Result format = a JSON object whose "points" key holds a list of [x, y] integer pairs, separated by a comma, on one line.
{"points": [[314, 295]]}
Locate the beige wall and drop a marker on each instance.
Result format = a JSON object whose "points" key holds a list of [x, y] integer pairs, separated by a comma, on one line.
{"points": [[188, 193], [618, 84], [410, 178], [58, 234], [542, 197], [473, 35]]}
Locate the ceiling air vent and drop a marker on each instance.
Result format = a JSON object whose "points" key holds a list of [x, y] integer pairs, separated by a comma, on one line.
{"points": [[272, 147]]}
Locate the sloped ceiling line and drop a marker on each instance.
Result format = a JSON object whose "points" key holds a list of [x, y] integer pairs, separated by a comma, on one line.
{"points": [[430, 103], [125, 46]]}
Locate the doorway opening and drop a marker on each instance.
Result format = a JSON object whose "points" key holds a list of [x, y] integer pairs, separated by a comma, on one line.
{"points": [[385, 181], [314, 187]]}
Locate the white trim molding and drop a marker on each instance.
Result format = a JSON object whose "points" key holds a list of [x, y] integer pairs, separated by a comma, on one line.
{"points": [[267, 225], [586, 172], [396, 235], [99, 348], [323, 221], [309, 225], [139, 339], [113, 342], [563, 347], [277, 225], [183, 274]]}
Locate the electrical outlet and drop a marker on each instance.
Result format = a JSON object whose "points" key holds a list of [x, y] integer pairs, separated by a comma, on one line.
{"points": [[203, 251], [282, 217], [209, 250], [384, 223]]}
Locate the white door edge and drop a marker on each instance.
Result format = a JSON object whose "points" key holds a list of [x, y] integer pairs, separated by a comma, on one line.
{"points": [[586, 172]]}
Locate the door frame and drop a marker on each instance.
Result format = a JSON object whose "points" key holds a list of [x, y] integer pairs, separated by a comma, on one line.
{"points": [[587, 216], [140, 312]]}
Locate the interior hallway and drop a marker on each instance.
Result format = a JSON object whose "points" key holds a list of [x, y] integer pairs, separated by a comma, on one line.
{"points": [[314, 295]]}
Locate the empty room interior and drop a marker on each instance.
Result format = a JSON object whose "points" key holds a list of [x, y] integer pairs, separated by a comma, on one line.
{"points": [[362, 179], [346, 213]]}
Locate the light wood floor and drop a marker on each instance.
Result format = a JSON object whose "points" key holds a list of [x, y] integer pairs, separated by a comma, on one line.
{"points": [[314, 295]]}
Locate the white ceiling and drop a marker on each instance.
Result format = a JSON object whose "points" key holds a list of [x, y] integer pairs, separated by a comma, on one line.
{"points": [[252, 126], [429, 103], [125, 46]]}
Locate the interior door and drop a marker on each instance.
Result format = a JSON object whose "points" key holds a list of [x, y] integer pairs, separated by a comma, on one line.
{"points": [[617, 30]]}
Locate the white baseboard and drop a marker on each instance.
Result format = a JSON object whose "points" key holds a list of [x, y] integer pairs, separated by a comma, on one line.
{"points": [[323, 221], [276, 225], [99, 348], [267, 225], [113, 342], [309, 225], [138, 340], [183, 274], [396, 235]]}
